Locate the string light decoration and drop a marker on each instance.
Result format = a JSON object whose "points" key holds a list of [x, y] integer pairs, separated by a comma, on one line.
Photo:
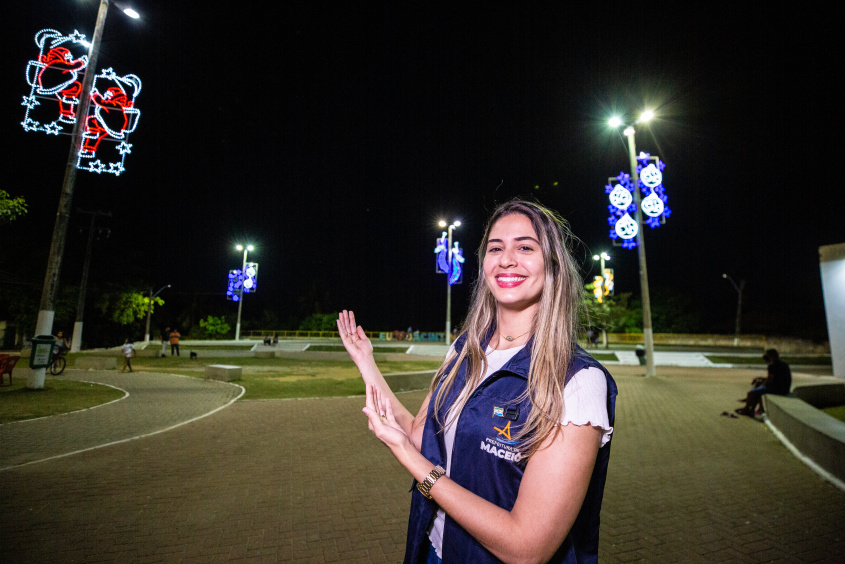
{"points": [[233, 291], [650, 170], [622, 226], [442, 252], [242, 282], [455, 273], [51, 106], [251, 277], [654, 203]]}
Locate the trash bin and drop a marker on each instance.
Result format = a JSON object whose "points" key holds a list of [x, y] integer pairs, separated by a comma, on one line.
{"points": [[641, 354], [43, 349]]}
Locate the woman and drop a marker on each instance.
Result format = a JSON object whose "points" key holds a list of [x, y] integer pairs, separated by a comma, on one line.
{"points": [[510, 447]]}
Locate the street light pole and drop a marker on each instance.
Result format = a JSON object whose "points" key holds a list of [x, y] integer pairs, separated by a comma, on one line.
{"points": [[738, 289], [241, 300], [603, 257], [150, 310], [452, 226], [648, 335], [47, 308]]}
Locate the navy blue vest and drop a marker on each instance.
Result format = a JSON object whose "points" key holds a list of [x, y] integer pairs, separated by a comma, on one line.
{"points": [[487, 462]]}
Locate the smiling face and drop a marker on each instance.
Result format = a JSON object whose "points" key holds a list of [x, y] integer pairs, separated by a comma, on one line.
{"points": [[514, 268]]}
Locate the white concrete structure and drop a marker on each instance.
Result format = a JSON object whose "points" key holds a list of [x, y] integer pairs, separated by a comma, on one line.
{"points": [[224, 372], [832, 265]]}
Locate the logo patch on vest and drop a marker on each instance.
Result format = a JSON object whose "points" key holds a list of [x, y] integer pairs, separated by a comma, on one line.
{"points": [[500, 449], [510, 412]]}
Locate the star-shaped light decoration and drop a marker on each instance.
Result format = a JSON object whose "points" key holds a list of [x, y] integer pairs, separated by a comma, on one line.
{"points": [[52, 128], [124, 148], [30, 125], [97, 166], [30, 102], [116, 168]]}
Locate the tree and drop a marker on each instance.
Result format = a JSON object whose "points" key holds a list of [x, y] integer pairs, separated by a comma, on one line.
{"points": [[613, 315], [319, 322], [215, 327], [126, 307], [11, 208]]}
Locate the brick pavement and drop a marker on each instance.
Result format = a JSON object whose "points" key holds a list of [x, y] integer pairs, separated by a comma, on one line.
{"points": [[303, 481]]}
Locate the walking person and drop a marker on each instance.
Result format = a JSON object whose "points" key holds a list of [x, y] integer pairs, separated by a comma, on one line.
{"points": [[503, 472], [174, 342], [128, 352]]}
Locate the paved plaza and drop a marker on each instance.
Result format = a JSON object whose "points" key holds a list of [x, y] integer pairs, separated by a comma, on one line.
{"points": [[304, 480]]}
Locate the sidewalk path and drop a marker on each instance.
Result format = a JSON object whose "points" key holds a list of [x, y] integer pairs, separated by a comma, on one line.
{"points": [[304, 481], [154, 402]]}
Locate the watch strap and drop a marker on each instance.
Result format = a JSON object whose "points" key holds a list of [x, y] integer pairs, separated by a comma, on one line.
{"points": [[425, 486]]}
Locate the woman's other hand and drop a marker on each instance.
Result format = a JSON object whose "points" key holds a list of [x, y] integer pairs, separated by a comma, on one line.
{"points": [[354, 339], [382, 422]]}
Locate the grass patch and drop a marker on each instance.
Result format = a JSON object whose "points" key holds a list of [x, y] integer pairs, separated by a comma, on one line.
{"points": [[758, 360], [604, 356], [277, 378], [837, 411], [340, 348], [58, 396], [183, 347]]}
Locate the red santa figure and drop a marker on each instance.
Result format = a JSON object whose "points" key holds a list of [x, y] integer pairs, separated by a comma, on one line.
{"points": [[58, 76], [111, 118]]}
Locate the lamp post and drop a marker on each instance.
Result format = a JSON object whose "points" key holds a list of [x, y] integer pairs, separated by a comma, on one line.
{"points": [[47, 307], [738, 287], [241, 301], [603, 257], [453, 225], [150, 310], [648, 335]]}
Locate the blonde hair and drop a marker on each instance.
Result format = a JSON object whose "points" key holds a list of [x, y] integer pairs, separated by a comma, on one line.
{"points": [[554, 328]]}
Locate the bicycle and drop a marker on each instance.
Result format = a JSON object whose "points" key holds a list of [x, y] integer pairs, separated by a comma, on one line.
{"points": [[59, 362]]}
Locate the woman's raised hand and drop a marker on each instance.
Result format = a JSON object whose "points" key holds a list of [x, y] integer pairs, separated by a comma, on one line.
{"points": [[354, 339]]}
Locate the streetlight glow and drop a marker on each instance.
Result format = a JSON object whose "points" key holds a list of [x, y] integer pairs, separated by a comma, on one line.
{"points": [[615, 121], [131, 13], [646, 116]]}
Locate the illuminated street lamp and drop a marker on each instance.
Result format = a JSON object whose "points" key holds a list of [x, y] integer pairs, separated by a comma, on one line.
{"points": [[603, 286], [449, 282], [738, 287], [648, 335], [241, 301], [47, 307]]}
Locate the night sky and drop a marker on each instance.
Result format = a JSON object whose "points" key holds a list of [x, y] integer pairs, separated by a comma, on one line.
{"points": [[333, 136]]}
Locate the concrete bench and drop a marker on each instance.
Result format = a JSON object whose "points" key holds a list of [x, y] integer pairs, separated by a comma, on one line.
{"points": [[821, 395], [223, 372], [817, 435], [96, 362], [265, 354]]}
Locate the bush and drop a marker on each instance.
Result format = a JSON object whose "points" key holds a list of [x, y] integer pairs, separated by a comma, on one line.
{"points": [[320, 322], [215, 327]]}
